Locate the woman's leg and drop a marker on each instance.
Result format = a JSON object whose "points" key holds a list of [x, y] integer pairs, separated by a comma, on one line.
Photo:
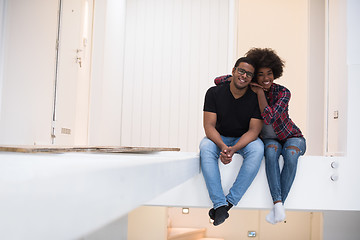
{"points": [[272, 153], [293, 148]]}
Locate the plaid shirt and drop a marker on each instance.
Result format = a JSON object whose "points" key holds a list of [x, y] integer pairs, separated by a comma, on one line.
{"points": [[277, 111]]}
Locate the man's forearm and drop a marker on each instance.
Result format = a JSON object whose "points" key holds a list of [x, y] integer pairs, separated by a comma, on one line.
{"points": [[245, 139], [215, 136]]}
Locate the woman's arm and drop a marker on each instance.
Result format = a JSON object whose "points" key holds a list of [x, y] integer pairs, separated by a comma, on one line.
{"points": [[274, 112], [222, 79], [260, 95], [271, 113]]}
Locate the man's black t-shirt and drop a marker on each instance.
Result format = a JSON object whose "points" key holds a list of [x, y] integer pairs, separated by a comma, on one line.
{"points": [[233, 115]]}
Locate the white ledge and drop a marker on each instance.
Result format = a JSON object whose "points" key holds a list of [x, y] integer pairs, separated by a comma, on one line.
{"points": [[312, 190], [66, 196]]}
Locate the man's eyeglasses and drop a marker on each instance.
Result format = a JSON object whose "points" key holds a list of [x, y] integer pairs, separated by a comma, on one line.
{"points": [[243, 71]]}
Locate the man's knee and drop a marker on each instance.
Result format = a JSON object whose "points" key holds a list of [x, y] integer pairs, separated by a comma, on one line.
{"points": [[257, 148], [206, 143], [208, 149]]}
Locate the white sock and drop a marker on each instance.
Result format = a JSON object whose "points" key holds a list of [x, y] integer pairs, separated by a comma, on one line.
{"points": [[270, 218], [279, 212]]}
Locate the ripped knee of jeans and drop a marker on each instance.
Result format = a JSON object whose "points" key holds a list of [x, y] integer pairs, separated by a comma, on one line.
{"points": [[273, 146], [297, 150]]}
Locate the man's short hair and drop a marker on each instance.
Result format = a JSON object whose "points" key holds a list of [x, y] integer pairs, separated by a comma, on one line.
{"points": [[246, 60]]}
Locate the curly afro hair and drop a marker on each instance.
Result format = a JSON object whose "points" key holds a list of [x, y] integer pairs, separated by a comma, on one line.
{"points": [[266, 57]]}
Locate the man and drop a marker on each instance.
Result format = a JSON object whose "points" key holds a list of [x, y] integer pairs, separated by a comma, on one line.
{"points": [[232, 123]]}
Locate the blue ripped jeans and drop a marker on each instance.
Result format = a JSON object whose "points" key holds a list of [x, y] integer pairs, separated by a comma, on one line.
{"points": [[252, 153], [280, 182]]}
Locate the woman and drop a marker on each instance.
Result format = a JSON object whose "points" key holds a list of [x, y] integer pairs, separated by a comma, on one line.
{"points": [[280, 134]]}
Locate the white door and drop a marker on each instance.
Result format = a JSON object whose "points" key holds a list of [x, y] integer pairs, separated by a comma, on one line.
{"points": [[70, 120], [337, 84]]}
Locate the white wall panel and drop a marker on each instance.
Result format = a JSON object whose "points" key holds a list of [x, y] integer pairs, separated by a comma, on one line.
{"points": [[145, 67], [2, 27], [337, 78], [175, 100], [353, 64], [173, 51], [28, 71], [107, 72], [316, 104]]}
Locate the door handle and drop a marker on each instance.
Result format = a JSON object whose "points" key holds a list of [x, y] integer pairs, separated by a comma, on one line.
{"points": [[78, 60]]}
